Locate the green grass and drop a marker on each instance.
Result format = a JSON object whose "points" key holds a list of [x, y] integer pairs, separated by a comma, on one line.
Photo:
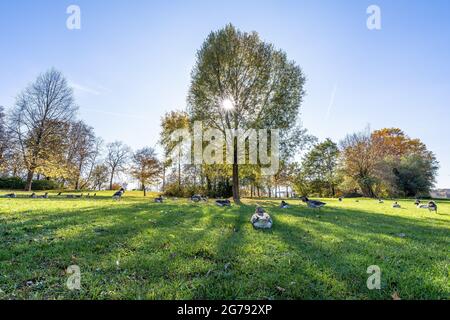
{"points": [[136, 249]]}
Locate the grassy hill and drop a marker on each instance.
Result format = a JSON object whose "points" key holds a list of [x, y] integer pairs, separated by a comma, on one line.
{"points": [[136, 249]]}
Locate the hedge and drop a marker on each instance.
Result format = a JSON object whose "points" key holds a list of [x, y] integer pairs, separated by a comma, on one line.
{"points": [[19, 184]]}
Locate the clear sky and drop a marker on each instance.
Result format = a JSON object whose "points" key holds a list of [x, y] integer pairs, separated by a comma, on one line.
{"points": [[131, 60]]}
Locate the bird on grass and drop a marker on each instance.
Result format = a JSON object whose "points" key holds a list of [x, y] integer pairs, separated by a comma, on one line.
{"points": [[223, 203], [10, 196], [313, 203], [284, 205], [119, 194], [432, 206], [396, 205]]}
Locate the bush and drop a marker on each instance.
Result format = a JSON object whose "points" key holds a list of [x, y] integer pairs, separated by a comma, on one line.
{"points": [[16, 183], [40, 185], [13, 183]]}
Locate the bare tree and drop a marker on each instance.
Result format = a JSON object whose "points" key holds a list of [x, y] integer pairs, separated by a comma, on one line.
{"points": [[36, 119], [99, 176], [3, 139], [83, 151], [117, 157], [146, 167]]}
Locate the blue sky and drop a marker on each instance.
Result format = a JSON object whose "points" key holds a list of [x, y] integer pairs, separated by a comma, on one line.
{"points": [[131, 61]]}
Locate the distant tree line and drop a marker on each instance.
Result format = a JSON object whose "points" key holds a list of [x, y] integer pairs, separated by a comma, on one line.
{"points": [[382, 163]]}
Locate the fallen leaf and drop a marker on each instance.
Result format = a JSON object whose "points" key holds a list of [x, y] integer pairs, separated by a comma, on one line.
{"points": [[395, 296], [281, 289]]}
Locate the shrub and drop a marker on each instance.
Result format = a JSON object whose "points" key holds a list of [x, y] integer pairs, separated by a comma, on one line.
{"points": [[40, 185], [15, 183]]}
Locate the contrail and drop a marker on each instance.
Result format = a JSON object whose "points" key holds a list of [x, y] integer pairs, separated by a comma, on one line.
{"points": [[330, 106]]}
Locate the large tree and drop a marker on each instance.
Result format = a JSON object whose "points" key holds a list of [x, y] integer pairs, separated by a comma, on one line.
{"points": [[146, 167], [117, 157], [37, 119], [239, 81]]}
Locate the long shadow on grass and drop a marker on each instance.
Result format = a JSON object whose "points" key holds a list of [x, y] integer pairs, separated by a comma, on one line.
{"points": [[343, 243], [33, 251]]}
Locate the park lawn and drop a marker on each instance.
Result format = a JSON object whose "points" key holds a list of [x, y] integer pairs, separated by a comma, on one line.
{"points": [[136, 249]]}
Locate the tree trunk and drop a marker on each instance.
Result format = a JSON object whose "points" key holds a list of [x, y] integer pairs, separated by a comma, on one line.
{"points": [[236, 195], [29, 183], [144, 189], [111, 180], [164, 178], [179, 174]]}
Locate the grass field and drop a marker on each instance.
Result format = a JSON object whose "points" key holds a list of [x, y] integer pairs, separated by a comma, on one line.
{"points": [[136, 249]]}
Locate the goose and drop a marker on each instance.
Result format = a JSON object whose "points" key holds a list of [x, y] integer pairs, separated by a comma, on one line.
{"points": [[10, 196], [432, 206], [313, 203], [261, 220], [396, 205], [45, 196], [380, 201], [159, 199], [341, 199], [33, 195], [223, 203], [118, 195], [284, 205], [417, 202], [196, 198]]}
